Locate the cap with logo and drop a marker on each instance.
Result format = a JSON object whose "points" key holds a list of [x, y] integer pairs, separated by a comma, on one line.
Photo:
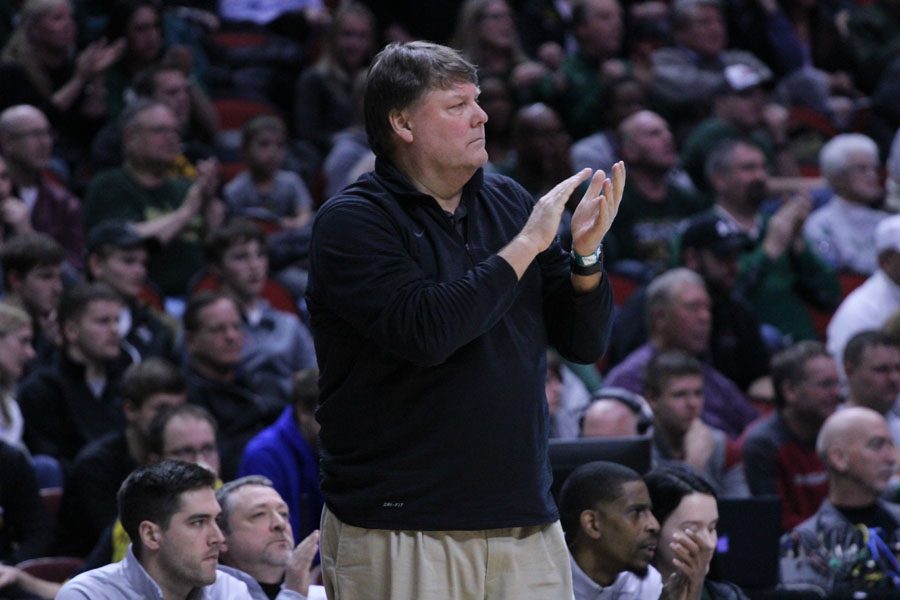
{"points": [[712, 232]]}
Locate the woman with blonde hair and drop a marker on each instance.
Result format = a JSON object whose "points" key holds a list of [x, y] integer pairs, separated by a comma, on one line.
{"points": [[43, 45], [39, 66]]}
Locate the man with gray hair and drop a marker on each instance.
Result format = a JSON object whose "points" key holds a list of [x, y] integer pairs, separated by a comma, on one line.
{"points": [[259, 543], [434, 291], [843, 229], [171, 210], [679, 317]]}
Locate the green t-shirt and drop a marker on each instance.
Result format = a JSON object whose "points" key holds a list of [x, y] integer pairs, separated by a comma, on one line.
{"points": [[114, 194], [643, 230]]}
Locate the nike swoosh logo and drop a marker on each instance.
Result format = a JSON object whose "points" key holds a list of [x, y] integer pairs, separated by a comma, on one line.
{"points": [[419, 234]]}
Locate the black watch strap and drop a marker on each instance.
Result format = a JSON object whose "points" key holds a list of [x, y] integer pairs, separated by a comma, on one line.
{"points": [[586, 265]]}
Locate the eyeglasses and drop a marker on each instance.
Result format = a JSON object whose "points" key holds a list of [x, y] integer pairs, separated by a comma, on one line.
{"points": [[191, 453], [161, 130]]}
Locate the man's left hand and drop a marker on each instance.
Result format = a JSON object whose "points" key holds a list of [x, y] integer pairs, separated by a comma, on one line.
{"points": [[595, 213]]}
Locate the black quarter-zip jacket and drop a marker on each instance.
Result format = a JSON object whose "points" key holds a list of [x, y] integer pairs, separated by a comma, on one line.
{"points": [[432, 355]]}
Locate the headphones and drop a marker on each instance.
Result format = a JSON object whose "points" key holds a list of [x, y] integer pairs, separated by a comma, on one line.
{"points": [[635, 402]]}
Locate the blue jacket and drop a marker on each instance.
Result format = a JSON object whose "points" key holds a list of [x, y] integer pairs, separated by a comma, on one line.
{"points": [[281, 453]]}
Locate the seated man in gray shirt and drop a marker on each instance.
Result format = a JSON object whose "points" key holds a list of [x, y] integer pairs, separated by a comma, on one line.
{"points": [[169, 511]]}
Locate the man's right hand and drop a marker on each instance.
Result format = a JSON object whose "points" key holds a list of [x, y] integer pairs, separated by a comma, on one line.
{"points": [[543, 224], [540, 229], [297, 576]]}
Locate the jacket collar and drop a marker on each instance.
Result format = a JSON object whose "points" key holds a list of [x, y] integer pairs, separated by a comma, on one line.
{"points": [[399, 184]]}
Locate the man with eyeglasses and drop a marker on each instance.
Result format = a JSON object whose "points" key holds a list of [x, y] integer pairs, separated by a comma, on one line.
{"points": [[214, 338], [38, 202], [184, 432], [679, 317], [144, 191], [780, 450]]}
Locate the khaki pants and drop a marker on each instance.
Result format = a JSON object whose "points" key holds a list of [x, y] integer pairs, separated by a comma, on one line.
{"points": [[518, 563]]}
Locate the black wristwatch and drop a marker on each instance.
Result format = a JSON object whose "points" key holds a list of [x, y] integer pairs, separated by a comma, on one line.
{"points": [[587, 265]]}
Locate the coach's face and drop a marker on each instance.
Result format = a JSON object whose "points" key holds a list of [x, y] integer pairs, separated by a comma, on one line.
{"points": [[444, 129]]}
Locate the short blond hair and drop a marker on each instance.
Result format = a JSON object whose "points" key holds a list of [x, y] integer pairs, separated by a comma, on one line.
{"points": [[12, 318]]}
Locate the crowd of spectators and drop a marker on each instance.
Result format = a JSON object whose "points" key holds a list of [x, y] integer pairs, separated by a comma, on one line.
{"points": [[153, 244]]}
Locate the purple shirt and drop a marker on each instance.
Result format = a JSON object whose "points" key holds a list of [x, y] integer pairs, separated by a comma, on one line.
{"points": [[725, 407]]}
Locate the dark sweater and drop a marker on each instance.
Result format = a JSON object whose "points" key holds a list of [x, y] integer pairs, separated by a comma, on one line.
{"points": [[89, 495], [61, 412], [23, 527], [432, 356]]}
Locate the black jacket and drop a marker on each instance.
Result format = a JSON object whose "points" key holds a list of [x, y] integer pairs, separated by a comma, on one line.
{"points": [[432, 355], [23, 527], [61, 412]]}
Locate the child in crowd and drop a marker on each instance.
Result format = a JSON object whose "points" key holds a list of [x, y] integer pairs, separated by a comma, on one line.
{"points": [[265, 191]]}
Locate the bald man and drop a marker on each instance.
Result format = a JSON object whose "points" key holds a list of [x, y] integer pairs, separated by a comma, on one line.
{"points": [[607, 417], [647, 223], [37, 203], [616, 412], [856, 446]]}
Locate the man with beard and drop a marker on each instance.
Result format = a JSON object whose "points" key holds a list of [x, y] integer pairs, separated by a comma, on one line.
{"points": [[653, 204], [169, 511], [781, 274], [260, 542], [612, 535]]}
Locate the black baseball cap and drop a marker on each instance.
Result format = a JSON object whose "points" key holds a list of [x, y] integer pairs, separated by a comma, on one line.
{"points": [[712, 232], [117, 233]]}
